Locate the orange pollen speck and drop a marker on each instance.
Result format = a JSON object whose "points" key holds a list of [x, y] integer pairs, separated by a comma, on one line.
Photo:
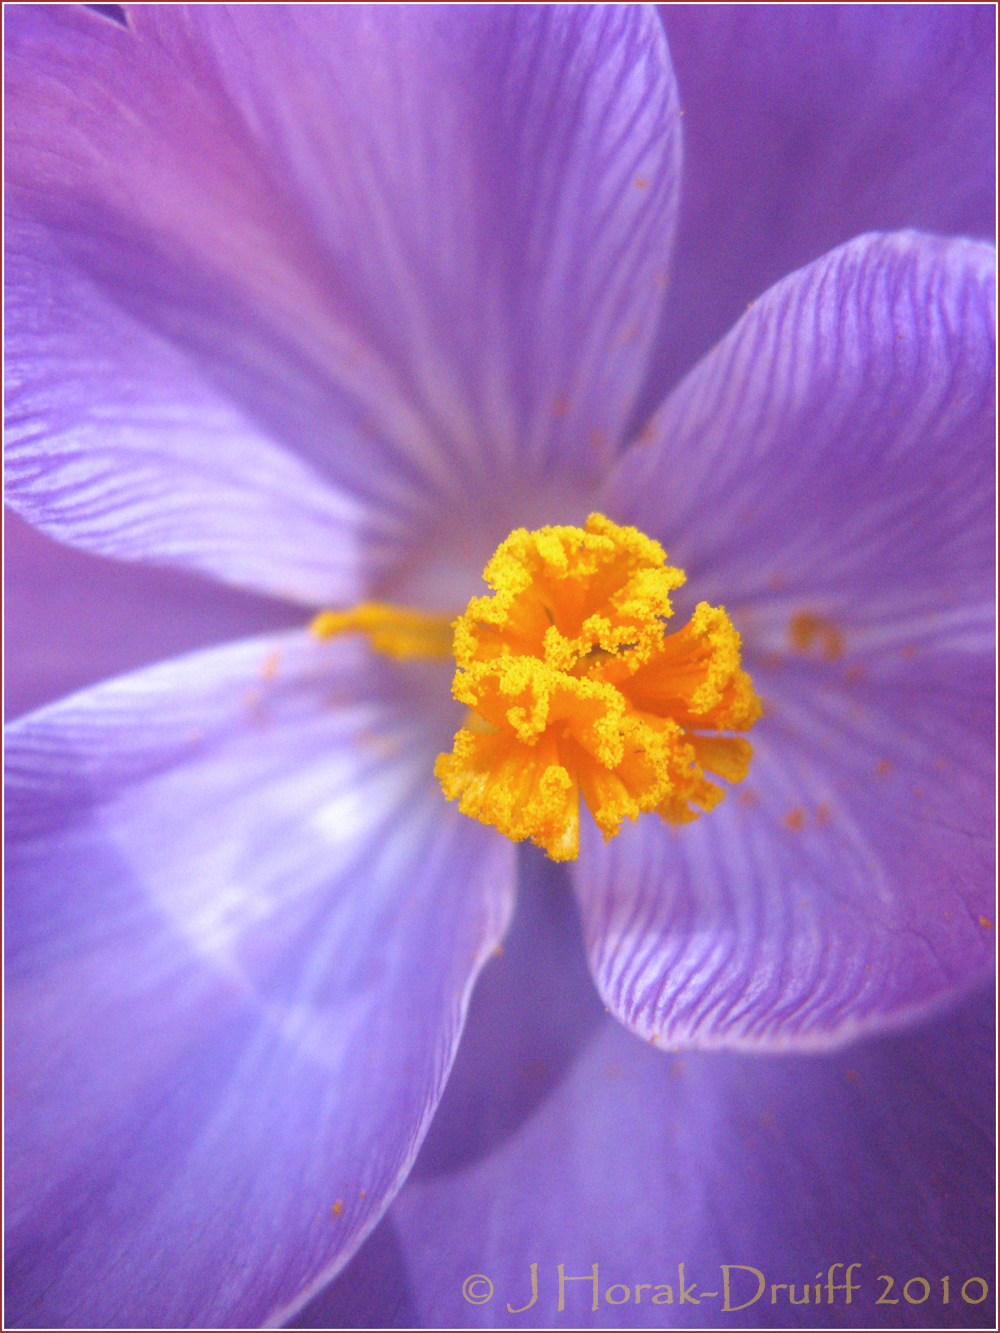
{"points": [[574, 688], [807, 631]]}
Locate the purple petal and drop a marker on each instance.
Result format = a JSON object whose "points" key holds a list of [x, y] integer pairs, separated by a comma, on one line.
{"points": [[242, 929], [807, 125], [845, 888], [828, 466], [639, 1161], [505, 221], [837, 444], [377, 265], [72, 619], [123, 436]]}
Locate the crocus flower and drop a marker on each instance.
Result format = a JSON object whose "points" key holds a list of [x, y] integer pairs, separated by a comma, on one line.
{"points": [[323, 303]]}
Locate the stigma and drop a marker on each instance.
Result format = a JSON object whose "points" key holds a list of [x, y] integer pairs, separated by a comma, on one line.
{"points": [[574, 689]]}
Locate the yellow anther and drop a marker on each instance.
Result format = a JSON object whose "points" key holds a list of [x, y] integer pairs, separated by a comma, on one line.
{"points": [[573, 688], [396, 631]]}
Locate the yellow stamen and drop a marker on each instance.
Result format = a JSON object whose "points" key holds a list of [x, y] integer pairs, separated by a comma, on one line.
{"points": [[573, 688], [396, 631]]}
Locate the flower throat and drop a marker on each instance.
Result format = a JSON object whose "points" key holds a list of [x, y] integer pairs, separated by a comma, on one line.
{"points": [[575, 689]]}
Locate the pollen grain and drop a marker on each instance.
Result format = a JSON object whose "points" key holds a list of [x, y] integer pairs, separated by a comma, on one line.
{"points": [[809, 632]]}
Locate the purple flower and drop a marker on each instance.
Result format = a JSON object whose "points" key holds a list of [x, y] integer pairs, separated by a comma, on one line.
{"points": [[321, 302]]}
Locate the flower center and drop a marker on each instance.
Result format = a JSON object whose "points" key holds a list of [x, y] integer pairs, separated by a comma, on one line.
{"points": [[574, 688]]}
